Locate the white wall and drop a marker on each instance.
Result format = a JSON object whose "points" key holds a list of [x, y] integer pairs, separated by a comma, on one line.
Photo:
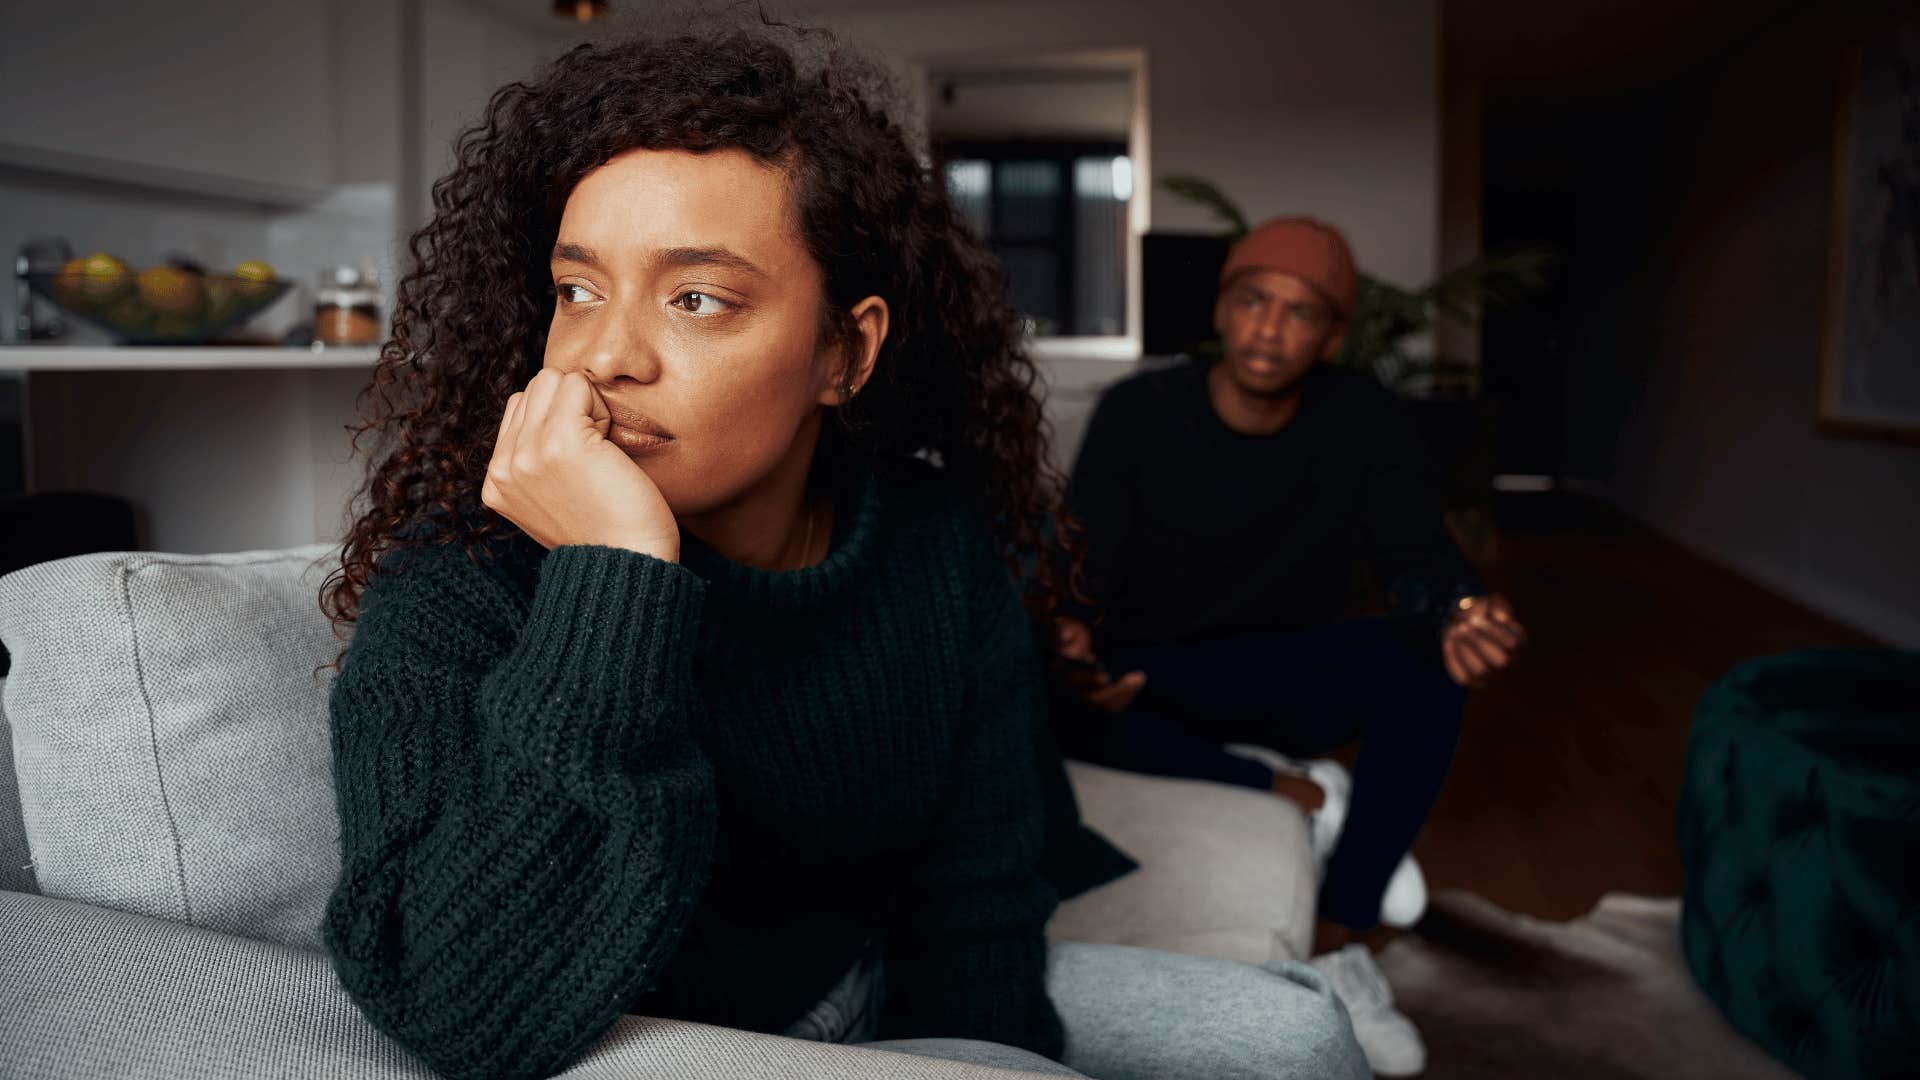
{"points": [[466, 53], [1290, 107], [1092, 106], [1690, 402]]}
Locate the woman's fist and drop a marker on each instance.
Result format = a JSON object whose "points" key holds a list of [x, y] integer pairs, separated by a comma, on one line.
{"points": [[555, 475]]}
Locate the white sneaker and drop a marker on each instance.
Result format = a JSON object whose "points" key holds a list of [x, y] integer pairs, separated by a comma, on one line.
{"points": [[1389, 1040], [1332, 815], [1405, 900], [1329, 775]]}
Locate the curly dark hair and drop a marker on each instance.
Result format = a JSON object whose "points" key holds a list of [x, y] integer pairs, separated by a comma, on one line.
{"points": [[952, 382]]}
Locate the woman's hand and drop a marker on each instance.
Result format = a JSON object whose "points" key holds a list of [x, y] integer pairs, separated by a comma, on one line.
{"points": [[556, 476]]}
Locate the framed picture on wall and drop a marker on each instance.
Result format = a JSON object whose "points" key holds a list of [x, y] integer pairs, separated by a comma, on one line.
{"points": [[1870, 359]]}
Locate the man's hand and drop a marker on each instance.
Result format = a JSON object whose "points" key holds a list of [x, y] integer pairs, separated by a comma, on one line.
{"points": [[1481, 639], [1074, 641]]}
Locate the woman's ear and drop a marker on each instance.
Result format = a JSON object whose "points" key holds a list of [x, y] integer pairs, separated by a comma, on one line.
{"points": [[870, 330]]}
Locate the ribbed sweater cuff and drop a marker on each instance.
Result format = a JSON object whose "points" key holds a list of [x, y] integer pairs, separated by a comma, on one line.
{"points": [[604, 660], [992, 989]]}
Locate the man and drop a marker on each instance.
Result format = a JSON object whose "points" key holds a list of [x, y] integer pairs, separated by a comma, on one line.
{"points": [[1226, 509]]}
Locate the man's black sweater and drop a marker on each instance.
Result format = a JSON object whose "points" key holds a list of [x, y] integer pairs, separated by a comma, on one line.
{"points": [[1196, 532]]}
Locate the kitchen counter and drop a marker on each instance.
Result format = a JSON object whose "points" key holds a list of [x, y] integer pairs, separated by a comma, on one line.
{"points": [[166, 358]]}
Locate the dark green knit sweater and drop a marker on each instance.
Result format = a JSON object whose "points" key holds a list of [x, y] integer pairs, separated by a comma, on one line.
{"points": [[579, 783]]}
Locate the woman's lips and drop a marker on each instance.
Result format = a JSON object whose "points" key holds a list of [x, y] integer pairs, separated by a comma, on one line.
{"points": [[628, 418], [632, 432], [633, 441]]}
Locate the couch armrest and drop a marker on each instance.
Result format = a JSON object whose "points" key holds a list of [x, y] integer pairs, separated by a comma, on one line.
{"points": [[1225, 871], [88, 992]]}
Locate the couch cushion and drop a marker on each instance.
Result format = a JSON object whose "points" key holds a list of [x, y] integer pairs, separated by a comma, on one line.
{"points": [[87, 993], [1225, 871], [170, 734], [16, 861]]}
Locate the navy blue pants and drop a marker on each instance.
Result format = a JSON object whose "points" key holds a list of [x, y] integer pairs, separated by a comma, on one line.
{"points": [[1302, 694]]}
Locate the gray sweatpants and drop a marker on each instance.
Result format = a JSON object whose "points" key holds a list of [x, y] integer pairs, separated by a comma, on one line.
{"points": [[1140, 1014]]}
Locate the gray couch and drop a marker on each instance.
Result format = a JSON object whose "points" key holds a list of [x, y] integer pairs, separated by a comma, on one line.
{"points": [[167, 841]]}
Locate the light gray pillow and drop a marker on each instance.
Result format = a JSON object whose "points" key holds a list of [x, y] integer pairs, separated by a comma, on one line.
{"points": [[170, 734], [1225, 871], [16, 862]]}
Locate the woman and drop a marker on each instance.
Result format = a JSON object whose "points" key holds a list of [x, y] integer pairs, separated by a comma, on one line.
{"points": [[689, 674]]}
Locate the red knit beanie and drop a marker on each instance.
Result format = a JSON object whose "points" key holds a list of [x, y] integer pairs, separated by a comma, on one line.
{"points": [[1310, 250]]}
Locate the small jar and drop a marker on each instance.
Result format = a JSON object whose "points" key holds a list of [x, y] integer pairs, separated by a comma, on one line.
{"points": [[346, 307]]}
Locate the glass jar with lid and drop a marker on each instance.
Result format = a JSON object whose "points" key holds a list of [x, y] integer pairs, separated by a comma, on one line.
{"points": [[346, 306]]}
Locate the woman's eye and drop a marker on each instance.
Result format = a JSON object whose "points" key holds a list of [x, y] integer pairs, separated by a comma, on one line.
{"points": [[700, 303], [567, 293]]}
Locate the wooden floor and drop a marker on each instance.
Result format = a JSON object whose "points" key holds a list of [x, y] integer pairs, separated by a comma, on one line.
{"points": [[1567, 780]]}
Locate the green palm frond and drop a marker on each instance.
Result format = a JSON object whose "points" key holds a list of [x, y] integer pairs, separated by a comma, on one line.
{"points": [[1385, 314], [1202, 192], [1491, 281]]}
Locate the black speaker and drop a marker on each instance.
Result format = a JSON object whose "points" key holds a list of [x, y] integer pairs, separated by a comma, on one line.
{"points": [[1179, 278], [50, 525]]}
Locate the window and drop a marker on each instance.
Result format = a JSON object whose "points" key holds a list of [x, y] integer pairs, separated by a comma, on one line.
{"points": [[1056, 215], [1039, 162]]}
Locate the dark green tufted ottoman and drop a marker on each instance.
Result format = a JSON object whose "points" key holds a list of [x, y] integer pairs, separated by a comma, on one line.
{"points": [[1800, 830]]}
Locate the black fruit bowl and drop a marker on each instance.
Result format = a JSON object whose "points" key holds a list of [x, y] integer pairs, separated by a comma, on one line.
{"points": [[187, 309]]}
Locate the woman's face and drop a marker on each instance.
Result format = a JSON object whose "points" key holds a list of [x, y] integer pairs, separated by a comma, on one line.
{"points": [[684, 293]]}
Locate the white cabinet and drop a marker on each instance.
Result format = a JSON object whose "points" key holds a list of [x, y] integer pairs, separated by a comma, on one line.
{"points": [[217, 449], [223, 97]]}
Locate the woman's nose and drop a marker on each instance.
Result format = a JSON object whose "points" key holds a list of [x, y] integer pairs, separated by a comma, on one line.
{"points": [[622, 348]]}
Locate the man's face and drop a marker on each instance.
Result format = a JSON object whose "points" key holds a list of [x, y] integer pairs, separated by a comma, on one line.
{"points": [[1274, 328]]}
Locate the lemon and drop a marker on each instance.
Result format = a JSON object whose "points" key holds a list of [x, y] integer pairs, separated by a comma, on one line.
{"points": [[97, 279], [252, 281], [254, 270], [169, 290]]}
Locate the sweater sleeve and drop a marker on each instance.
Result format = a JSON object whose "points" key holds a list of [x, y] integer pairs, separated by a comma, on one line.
{"points": [[966, 951], [1408, 548], [525, 820]]}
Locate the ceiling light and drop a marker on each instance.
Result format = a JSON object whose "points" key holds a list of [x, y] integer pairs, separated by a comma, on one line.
{"points": [[580, 10]]}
